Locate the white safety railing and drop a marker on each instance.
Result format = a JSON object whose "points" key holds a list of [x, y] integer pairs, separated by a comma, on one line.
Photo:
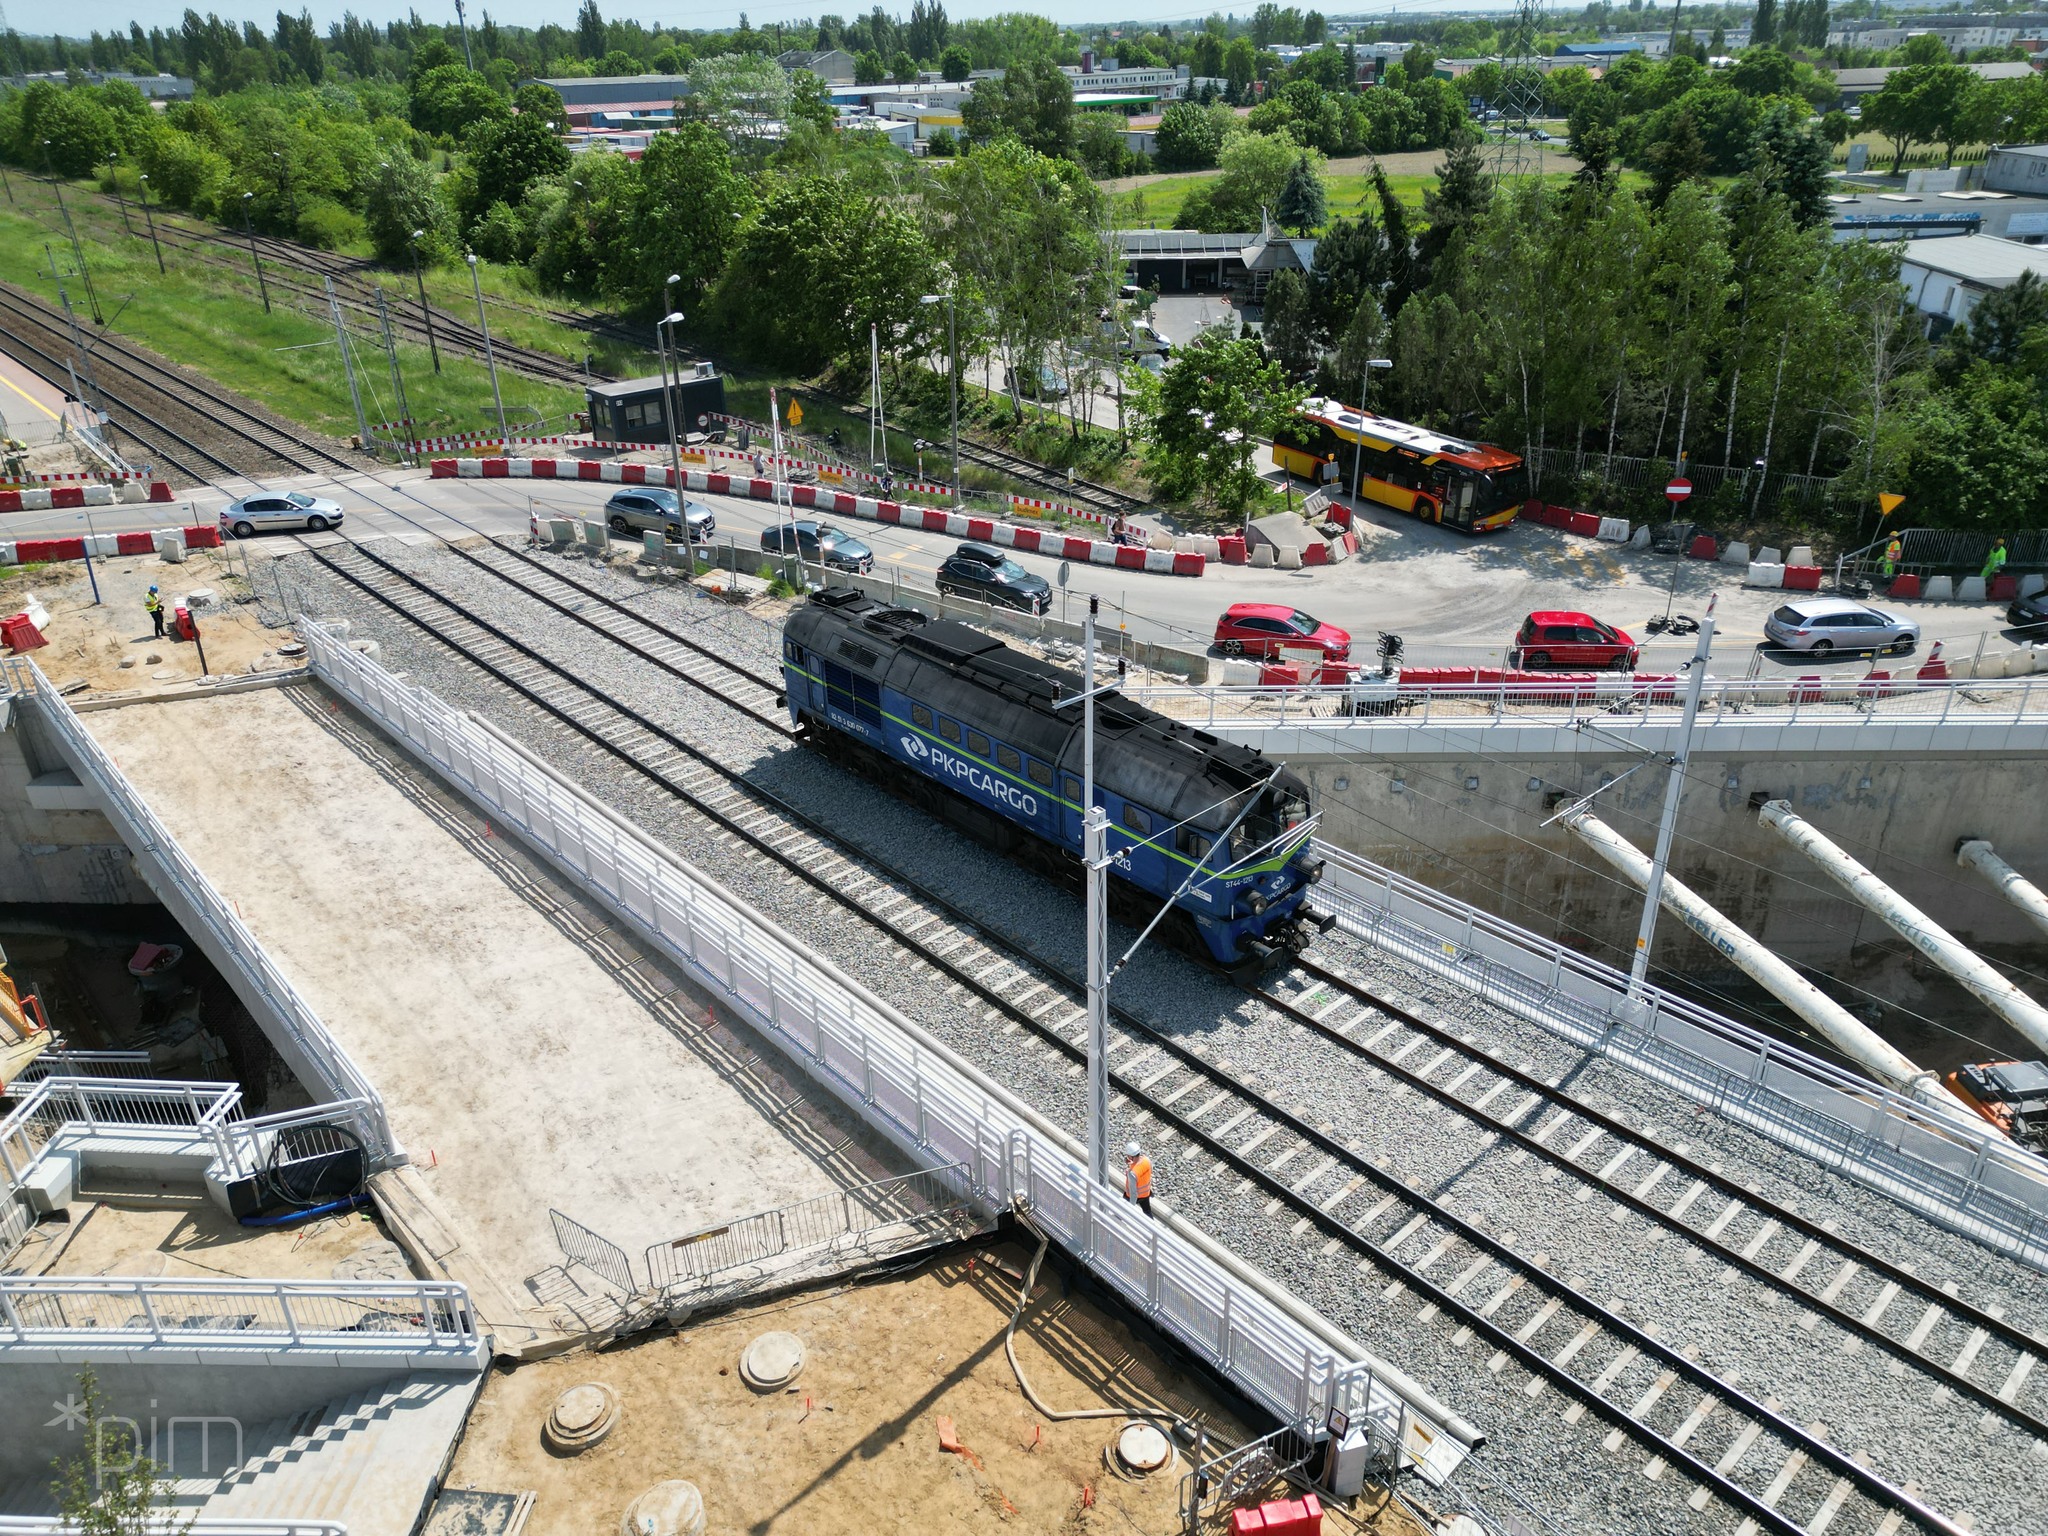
{"points": [[204, 913], [882, 1065], [1976, 1182], [423, 1317], [86, 1064], [1619, 701], [175, 1522]]}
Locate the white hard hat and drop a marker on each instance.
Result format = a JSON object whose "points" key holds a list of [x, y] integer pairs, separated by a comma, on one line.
{"points": [[1131, 1150]]}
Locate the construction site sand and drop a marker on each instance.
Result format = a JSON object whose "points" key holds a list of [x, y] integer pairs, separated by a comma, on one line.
{"points": [[854, 1444], [178, 1234]]}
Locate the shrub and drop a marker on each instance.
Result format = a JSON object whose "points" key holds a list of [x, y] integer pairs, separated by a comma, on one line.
{"points": [[329, 226]]}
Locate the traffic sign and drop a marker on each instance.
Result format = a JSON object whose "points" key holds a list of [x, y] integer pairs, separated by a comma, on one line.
{"points": [[1890, 502], [796, 413], [1678, 490]]}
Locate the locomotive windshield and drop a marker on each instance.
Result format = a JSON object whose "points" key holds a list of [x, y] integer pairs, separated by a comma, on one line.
{"points": [[1279, 812]]}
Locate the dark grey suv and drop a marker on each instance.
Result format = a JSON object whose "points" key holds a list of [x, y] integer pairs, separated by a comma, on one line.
{"points": [[817, 543], [657, 509]]}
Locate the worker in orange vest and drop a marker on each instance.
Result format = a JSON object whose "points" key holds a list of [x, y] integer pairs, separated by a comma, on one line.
{"points": [[1138, 1177]]}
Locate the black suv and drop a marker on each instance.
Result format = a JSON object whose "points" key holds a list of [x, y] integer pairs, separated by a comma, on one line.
{"points": [[2029, 613], [657, 509], [819, 543], [987, 575]]}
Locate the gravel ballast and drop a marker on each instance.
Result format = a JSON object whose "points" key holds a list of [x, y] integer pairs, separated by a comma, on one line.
{"points": [[1910, 1428]]}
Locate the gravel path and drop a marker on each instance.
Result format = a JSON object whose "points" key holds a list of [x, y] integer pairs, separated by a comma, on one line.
{"points": [[1963, 1461]]}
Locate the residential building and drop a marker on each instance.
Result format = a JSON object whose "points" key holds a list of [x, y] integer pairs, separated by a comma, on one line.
{"points": [[1962, 33]]}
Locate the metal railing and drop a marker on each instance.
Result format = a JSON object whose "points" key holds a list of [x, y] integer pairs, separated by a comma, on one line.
{"points": [[932, 1107], [425, 1316], [176, 1522], [1953, 551], [1557, 469], [928, 1201], [85, 1064], [1974, 1182], [203, 913]]}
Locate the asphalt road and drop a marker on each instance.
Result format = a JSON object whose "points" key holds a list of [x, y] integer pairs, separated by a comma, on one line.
{"points": [[1452, 599]]}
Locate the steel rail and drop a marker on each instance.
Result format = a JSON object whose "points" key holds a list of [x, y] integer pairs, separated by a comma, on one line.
{"points": [[1918, 1285], [1765, 1514]]}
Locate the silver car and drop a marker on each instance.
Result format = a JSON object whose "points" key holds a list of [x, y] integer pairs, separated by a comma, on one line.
{"points": [[286, 509], [656, 509], [1821, 626]]}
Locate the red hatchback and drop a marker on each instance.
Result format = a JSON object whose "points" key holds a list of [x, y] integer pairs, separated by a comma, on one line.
{"points": [[1261, 629], [1572, 641]]}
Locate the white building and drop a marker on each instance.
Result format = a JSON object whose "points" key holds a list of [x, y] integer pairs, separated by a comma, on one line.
{"points": [[2019, 168], [1102, 77], [1963, 34], [1946, 278]]}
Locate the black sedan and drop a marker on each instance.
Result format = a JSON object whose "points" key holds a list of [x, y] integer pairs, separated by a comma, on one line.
{"points": [[987, 575], [817, 543], [2029, 614]]}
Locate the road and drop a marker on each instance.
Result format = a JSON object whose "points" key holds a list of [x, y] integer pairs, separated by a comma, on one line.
{"points": [[1454, 600]]}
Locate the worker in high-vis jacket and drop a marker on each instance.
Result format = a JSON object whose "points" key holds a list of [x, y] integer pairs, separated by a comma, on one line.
{"points": [[1138, 1177], [153, 604]]}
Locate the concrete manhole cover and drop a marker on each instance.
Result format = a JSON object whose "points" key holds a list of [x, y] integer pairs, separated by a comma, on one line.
{"points": [[772, 1361], [1141, 1448], [581, 1417], [667, 1509]]}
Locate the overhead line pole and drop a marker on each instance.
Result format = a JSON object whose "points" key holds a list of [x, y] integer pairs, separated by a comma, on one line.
{"points": [[1674, 789]]}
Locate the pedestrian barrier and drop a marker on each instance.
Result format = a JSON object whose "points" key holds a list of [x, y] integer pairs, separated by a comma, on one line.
{"points": [[1060, 546], [97, 494], [933, 1107], [103, 545]]}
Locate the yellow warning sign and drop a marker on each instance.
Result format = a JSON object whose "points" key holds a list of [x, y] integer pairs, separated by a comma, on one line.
{"points": [[1890, 502], [796, 414]]}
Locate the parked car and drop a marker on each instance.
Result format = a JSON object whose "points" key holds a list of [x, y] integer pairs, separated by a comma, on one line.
{"points": [[2029, 613], [1050, 385], [290, 509], [657, 509], [817, 543], [986, 574], [1573, 641], [1261, 629], [1822, 625]]}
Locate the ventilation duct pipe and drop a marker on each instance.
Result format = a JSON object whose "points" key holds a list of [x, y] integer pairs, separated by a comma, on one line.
{"points": [[1975, 853], [1911, 924], [1847, 1033]]}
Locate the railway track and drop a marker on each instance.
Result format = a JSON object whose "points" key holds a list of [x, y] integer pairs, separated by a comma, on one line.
{"points": [[1725, 1443], [197, 429]]}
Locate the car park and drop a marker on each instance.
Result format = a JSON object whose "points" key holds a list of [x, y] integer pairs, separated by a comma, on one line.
{"points": [[1822, 625], [817, 543], [1571, 640], [657, 509], [988, 575], [1263, 629], [289, 509], [2029, 613]]}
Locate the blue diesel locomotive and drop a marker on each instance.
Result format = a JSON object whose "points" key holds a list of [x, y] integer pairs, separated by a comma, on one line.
{"points": [[956, 722]]}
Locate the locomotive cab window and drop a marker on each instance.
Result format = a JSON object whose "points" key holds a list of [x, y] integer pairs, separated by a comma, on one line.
{"points": [[1008, 757], [1137, 820], [1040, 774], [920, 717], [791, 651], [950, 730], [1070, 787], [977, 743], [1194, 844]]}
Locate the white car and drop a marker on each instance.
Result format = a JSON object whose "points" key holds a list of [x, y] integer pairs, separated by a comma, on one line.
{"points": [[1821, 626], [290, 509]]}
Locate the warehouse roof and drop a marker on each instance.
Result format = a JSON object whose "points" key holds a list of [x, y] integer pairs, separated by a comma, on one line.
{"points": [[1983, 261]]}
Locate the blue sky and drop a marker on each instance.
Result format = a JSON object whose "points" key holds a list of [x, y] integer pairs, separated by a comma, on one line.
{"points": [[82, 16]]}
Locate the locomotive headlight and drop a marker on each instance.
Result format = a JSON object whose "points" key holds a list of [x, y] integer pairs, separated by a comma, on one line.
{"points": [[1257, 903], [1314, 872]]}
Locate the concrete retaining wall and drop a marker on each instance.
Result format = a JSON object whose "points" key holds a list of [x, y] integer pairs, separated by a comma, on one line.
{"points": [[50, 849]]}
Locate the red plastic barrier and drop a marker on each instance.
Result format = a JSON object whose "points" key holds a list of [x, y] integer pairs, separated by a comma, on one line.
{"points": [[134, 543], [495, 469], [982, 528], [1339, 514], [546, 469], [1027, 539], [629, 474], [10, 501], [1934, 669], [718, 485], [1190, 565], [1275, 674], [40, 551], [1807, 689], [1351, 543], [1904, 586], [17, 633], [1802, 578], [1583, 523], [159, 490], [589, 469], [1129, 559], [2004, 587], [1877, 685], [1704, 547], [1441, 677], [67, 495], [441, 469], [1230, 549], [203, 536], [1316, 552]]}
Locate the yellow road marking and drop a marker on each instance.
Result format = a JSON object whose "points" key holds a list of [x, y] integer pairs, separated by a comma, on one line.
{"points": [[31, 399]]}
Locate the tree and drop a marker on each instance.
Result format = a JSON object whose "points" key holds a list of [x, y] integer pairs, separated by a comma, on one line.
{"points": [[534, 99], [688, 204], [1364, 339], [1188, 138], [1919, 104], [72, 132], [1288, 326], [956, 64], [1035, 102], [112, 1487], [1679, 157], [1099, 143], [1400, 241], [868, 68], [2008, 326], [924, 35], [903, 68], [400, 199], [1792, 163], [590, 32], [508, 155], [1301, 206], [1202, 419], [743, 95], [1459, 197], [449, 98]]}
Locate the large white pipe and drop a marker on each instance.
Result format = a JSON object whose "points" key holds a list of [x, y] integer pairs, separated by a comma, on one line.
{"points": [[1975, 853], [1849, 1034], [1911, 924]]}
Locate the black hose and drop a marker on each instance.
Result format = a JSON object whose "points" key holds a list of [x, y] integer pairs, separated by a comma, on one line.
{"points": [[313, 1165]]}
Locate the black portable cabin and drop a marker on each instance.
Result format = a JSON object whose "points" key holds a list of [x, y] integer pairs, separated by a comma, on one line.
{"points": [[629, 411]]}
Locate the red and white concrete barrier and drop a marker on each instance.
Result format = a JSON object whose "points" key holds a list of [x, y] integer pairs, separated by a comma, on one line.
{"points": [[45, 498], [103, 545], [1060, 546]]}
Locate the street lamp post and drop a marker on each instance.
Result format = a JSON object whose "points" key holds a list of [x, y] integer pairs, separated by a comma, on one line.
{"points": [[669, 322], [1364, 395], [952, 378], [490, 357], [420, 281], [149, 219], [255, 261]]}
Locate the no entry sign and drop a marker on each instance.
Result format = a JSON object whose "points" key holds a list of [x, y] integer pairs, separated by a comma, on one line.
{"points": [[1678, 490]]}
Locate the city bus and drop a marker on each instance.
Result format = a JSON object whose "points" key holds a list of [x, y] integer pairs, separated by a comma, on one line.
{"points": [[1472, 487]]}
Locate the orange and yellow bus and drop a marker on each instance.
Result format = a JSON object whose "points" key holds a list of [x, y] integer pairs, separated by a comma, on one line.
{"points": [[1472, 487]]}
